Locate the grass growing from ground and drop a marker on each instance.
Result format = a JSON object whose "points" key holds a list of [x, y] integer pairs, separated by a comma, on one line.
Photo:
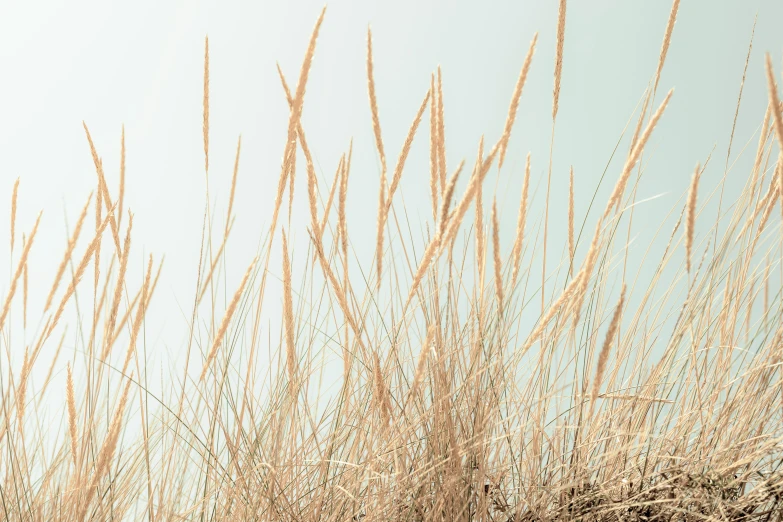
{"points": [[625, 399]]}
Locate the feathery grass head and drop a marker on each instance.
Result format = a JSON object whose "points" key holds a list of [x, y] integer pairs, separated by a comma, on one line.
{"points": [[13, 212], [690, 220]]}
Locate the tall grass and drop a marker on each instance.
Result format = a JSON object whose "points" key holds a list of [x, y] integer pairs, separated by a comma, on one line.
{"points": [[625, 400]]}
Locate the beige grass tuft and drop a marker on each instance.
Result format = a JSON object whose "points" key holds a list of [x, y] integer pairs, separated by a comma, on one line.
{"points": [[512, 110], [376, 127], [103, 188], [227, 320], [106, 453], [421, 365], [521, 217], [79, 272], [434, 172], [24, 290], [68, 251], [233, 186], [18, 273], [497, 263], [71, 404], [118, 287], [479, 223], [666, 41], [690, 220], [288, 314], [381, 401], [406, 148], [205, 122], [218, 257], [622, 181], [441, 135], [141, 310], [14, 196], [774, 101], [98, 221], [448, 195], [603, 355], [21, 391], [561, 20]]}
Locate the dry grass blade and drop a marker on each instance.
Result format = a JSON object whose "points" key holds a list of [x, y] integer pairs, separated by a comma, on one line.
{"points": [[448, 195], [765, 204], [567, 294], [760, 148], [106, 453], [774, 101], [571, 222], [586, 272], [777, 117], [68, 252], [14, 196], [459, 212], [379, 235], [512, 110], [666, 41], [293, 121], [98, 221], [521, 218], [622, 181], [376, 124], [690, 221], [342, 220], [103, 188], [638, 129], [118, 287], [205, 122], [381, 401], [479, 223], [71, 404], [561, 19], [79, 272], [421, 366], [141, 310], [17, 274], [21, 391], [406, 148], [121, 196], [227, 319], [24, 291], [603, 355], [292, 174], [330, 199], [126, 315], [434, 174], [437, 243], [339, 292], [233, 185], [312, 188], [441, 135], [205, 284], [288, 313], [376, 127], [496, 257]]}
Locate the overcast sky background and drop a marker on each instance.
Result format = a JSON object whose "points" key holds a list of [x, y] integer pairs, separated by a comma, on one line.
{"points": [[141, 63]]}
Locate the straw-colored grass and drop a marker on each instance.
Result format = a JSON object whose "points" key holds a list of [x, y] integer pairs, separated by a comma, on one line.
{"points": [[647, 397]]}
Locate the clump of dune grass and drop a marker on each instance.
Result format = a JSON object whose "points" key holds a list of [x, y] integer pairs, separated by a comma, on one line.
{"points": [[456, 402]]}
